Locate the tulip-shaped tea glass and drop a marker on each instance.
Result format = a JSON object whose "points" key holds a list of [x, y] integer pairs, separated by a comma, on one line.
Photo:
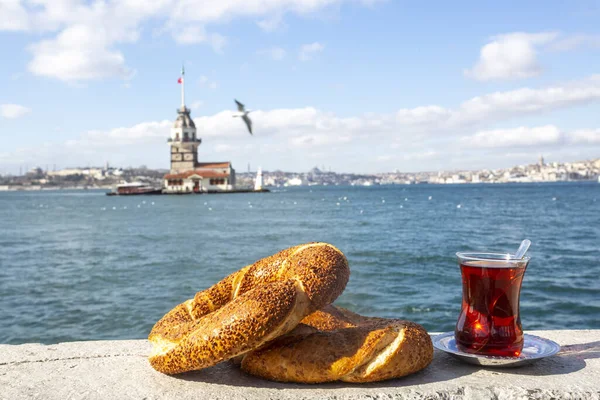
{"points": [[489, 323]]}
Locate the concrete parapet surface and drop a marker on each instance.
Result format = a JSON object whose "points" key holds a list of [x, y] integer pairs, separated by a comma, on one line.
{"points": [[120, 370]]}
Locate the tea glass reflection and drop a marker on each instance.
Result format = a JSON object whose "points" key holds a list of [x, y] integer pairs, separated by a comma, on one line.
{"points": [[489, 322]]}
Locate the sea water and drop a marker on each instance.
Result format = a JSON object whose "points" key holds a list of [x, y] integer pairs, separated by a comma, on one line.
{"points": [[79, 265]]}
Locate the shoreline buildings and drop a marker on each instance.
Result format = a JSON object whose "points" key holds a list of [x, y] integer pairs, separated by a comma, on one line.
{"points": [[187, 175]]}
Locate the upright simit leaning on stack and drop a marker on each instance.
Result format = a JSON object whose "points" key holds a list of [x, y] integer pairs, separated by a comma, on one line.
{"points": [[275, 316]]}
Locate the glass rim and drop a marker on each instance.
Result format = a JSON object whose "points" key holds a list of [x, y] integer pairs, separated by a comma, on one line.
{"points": [[489, 256]]}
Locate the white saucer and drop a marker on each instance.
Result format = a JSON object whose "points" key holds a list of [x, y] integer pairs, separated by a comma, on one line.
{"points": [[534, 348]]}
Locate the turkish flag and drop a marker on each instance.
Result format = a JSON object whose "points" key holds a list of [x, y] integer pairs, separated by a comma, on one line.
{"points": [[180, 80]]}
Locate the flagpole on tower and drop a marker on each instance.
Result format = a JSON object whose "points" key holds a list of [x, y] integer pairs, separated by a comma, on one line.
{"points": [[182, 87]]}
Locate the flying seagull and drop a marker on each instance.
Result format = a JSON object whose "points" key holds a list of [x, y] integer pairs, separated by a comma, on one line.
{"points": [[242, 112]]}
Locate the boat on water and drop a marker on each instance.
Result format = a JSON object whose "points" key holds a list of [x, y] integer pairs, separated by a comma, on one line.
{"points": [[134, 188]]}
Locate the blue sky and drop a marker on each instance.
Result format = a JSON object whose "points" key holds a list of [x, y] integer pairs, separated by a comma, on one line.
{"points": [[357, 86]]}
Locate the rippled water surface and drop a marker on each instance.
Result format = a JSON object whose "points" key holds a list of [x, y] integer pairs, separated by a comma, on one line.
{"points": [[81, 265]]}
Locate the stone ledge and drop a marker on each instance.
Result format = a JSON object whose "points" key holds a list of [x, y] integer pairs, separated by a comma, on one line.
{"points": [[119, 369]]}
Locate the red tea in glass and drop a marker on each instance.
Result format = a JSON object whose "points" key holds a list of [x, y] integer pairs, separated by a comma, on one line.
{"points": [[489, 321]]}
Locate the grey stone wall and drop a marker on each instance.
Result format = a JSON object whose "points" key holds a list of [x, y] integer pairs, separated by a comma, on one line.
{"points": [[120, 370]]}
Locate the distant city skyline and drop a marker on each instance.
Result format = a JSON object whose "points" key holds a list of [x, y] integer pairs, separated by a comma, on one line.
{"points": [[360, 86]]}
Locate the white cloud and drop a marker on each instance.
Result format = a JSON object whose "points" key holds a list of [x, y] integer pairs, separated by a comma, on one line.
{"points": [[495, 106], [78, 53], [190, 34], [317, 140], [83, 37], [527, 100], [585, 136], [224, 10], [422, 155], [307, 51], [11, 111], [271, 23], [510, 56], [13, 16], [143, 143], [217, 42], [142, 133], [514, 55], [539, 136], [517, 137], [419, 138], [84, 46], [280, 139], [576, 41], [423, 115], [276, 53], [194, 34]]}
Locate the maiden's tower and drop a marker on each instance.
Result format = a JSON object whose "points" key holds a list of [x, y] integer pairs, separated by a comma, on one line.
{"points": [[187, 175]]}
